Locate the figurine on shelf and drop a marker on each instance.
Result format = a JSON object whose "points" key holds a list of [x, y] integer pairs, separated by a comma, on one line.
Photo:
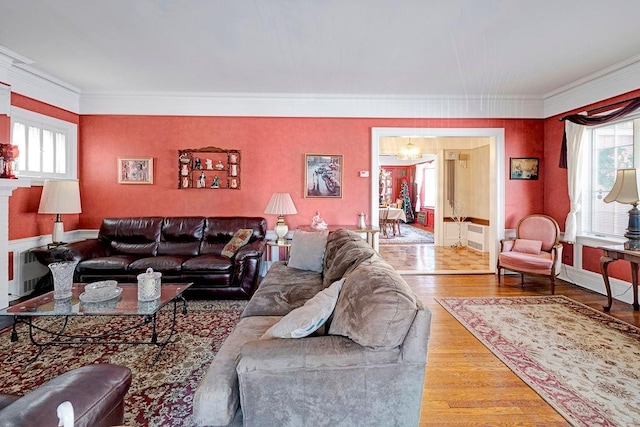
{"points": [[234, 183], [317, 223], [219, 165], [202, 180], [209, 163], [197, 164], [184, 170], [185, 182], [184, 158], [233, 158], [216, 182]]}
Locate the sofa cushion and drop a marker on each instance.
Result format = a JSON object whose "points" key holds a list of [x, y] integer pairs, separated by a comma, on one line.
{"points": [[217, 397], [307, 250], [164, 263], [335, 240], [110, 263], [375, 308], [347, 257], [282, 290], [305, 320], [239, 239], [213, 263], [138, 235]]}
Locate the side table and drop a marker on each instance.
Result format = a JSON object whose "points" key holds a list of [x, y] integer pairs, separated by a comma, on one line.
{"points": [[614, 253], [274, 245]]}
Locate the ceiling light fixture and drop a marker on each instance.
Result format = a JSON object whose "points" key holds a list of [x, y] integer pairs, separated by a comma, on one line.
{"points": [[409, 152]]}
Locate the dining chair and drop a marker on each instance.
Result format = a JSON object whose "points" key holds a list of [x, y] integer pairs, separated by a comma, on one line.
{"points": [[384, 222]]}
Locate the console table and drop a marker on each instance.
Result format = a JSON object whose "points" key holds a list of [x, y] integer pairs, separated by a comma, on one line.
{"points": [[615, 253]]}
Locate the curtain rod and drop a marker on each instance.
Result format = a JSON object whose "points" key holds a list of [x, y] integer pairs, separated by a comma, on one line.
{"points": [[604, 107]]}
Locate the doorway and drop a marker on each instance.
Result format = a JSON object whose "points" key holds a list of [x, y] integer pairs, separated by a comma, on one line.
{"points": [[444, 138]]}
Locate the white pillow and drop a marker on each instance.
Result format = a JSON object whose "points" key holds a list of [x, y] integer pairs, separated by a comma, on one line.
{"points": [[307, 250], [305, 320]]}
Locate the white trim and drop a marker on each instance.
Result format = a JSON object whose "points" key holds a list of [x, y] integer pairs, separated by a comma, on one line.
{"points": [[307, 105], [5, 99], [612, 81], [68, 128]]}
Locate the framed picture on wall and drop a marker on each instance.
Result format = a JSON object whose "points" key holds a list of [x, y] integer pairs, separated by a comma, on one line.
{"points": [[323, 175], [135, 170], [524, 167]]}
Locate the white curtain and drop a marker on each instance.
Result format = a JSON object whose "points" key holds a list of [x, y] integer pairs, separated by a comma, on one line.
{"points": [[419, 182], [574, 168]]}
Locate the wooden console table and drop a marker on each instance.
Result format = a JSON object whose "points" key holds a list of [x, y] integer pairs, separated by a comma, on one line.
{"points": [[615, 253]]}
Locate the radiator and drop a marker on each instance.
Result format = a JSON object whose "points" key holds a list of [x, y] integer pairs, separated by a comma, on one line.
{"points": [[30, 272], [478, 237]]}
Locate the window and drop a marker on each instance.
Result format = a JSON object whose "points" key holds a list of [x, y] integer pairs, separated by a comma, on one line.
{"points": [[48, 146], [607, 148]]}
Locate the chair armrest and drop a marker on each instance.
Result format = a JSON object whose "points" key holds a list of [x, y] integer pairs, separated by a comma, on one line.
{"points": [[96, 392], [81, 250], [506, 245], [246, 266]]}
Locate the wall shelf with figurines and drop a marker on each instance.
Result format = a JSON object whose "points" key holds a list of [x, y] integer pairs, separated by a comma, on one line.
{"points": [[209, 167]]}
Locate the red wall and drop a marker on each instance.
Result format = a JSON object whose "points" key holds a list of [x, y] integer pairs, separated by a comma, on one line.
{"points": [[272, 161]]}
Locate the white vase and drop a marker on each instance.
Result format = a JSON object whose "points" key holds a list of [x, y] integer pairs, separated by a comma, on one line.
{"points": [[62, 278]]}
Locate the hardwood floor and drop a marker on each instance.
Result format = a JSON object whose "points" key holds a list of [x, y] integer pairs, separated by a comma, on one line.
{"points": [[465, 383]]}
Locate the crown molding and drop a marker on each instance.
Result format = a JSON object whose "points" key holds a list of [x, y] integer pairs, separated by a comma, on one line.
{"points": [[35, 84], [5, 99], [618, 79], [307, 105]]}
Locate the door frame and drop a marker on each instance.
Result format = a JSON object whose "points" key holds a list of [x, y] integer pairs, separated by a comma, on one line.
{"points": [[496, 175]]}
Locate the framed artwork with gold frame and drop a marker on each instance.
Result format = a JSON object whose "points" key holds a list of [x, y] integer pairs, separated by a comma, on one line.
{"points": [[135, 170]]}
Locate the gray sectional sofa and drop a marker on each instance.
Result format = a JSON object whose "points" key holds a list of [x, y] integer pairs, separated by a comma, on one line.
{"points": [[365, 366]]}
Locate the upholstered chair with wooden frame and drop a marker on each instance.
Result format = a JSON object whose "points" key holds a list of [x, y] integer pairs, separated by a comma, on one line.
{"points": [[535, 250]]}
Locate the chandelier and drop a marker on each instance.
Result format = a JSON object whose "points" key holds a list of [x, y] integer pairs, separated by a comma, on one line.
{"points": [[409, 152]]}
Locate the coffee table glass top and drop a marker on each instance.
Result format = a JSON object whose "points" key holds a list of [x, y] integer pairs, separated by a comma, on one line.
{"points": [[125, 304]]}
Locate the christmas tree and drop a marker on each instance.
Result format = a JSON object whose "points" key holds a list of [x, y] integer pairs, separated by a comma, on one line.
{"points": [[406, 202]]}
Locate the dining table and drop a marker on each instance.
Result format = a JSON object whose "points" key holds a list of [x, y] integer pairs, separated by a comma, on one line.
{"points": [[391, 217]]}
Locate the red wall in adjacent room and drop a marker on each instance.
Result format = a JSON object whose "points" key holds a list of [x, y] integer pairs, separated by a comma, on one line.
{"points": [[272, 161]]}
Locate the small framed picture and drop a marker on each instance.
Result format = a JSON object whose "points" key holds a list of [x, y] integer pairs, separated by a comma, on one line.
{"points": [[135, 170], [524, 168], [323, 175]]}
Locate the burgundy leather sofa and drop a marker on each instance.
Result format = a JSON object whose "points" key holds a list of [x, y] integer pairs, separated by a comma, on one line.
{"points": [[183, 249], [96, 392]]}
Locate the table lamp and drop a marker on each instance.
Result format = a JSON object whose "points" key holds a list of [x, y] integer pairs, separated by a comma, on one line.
{"points": [[59, 197], [281, 205], [625, 190]]}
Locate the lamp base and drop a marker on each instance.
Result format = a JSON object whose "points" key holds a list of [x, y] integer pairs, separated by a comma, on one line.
{"points": [[281, 230], [57, 234], [633, 231]]}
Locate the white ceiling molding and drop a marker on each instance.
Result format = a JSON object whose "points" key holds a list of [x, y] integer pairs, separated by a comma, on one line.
{"points": [[5, 99], [30, 82], [612, 81], [309, 105]]}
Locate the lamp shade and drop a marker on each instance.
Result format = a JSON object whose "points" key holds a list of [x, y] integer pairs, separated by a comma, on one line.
{"points": [[625, 189], [281, 204], [60, 197]]}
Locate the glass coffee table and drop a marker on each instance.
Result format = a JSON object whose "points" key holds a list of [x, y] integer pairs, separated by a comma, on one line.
{"points": [[126, 304]]}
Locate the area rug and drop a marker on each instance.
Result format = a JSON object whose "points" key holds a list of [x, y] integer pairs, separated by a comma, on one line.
{"points": [[409, 234], [584, 363], [160, 394]]}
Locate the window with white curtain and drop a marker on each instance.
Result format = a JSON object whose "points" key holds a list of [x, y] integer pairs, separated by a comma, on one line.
{"points": [[607, 148], [48, 146]]}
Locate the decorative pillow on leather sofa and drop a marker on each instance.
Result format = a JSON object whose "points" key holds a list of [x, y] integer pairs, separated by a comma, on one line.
{"points": [[305, 320], [238, 240]]}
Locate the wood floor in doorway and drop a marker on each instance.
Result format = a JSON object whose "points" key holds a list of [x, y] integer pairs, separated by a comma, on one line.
{"points": [[430, 259]]}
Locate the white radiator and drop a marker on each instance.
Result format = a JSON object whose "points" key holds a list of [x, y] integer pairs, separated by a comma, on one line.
{"points": [[30, 272], [478, 237]]}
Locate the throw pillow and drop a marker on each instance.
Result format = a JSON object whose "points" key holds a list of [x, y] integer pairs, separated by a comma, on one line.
{"points": [[305, 320], [307, 250], [238, 240], [527, 246]]}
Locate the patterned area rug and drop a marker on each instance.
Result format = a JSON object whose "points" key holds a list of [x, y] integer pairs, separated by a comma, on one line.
{"points": [[160, 394], [409, 234], [584, 363]]}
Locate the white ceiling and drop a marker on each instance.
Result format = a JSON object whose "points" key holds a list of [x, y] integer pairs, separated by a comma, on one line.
{"points": [[486, 48]]}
